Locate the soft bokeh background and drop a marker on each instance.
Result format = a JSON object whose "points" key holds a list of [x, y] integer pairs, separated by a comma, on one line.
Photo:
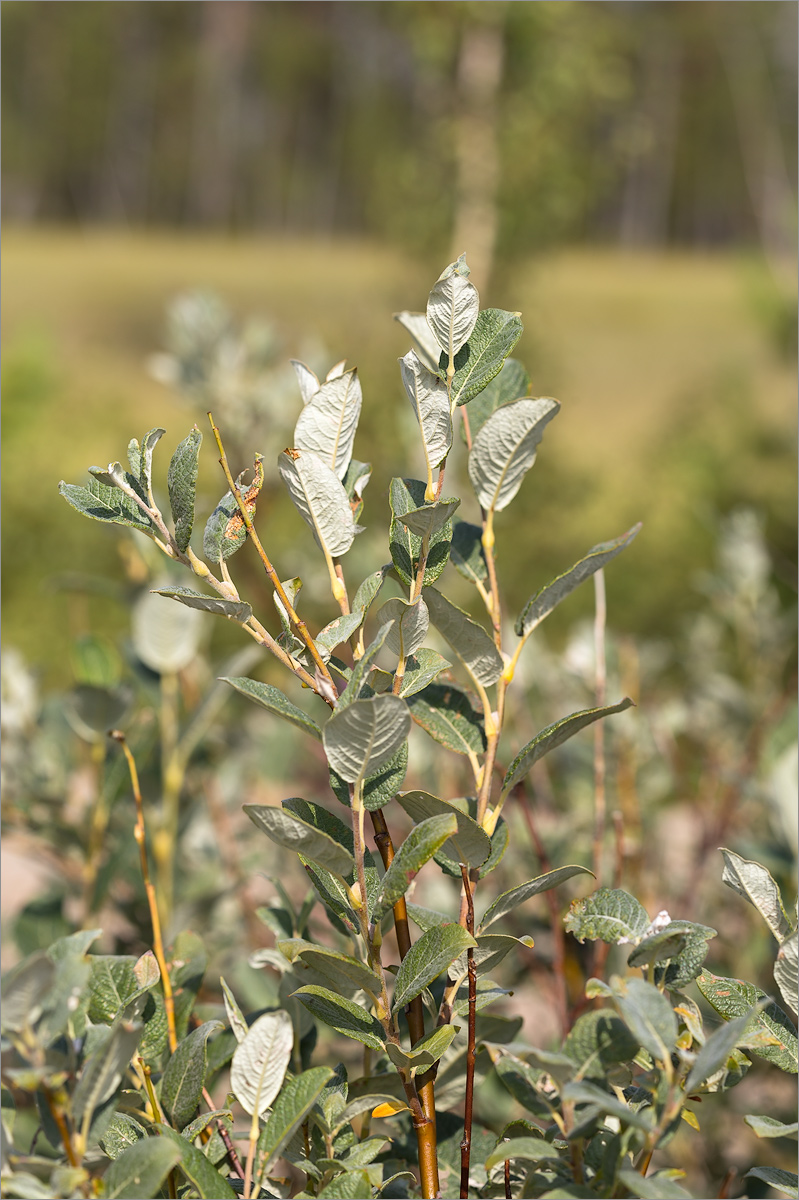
{"points": [[624, 175]]}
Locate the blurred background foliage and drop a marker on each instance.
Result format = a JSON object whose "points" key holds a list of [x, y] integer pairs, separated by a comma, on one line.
{"points": [[233, 184]]}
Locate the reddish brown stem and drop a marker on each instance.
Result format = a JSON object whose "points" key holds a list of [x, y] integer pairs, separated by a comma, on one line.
{"points": [[466, 1144]]}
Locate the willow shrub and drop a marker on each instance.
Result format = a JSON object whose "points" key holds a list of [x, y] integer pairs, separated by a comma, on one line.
{"points": [[121, 1074]]}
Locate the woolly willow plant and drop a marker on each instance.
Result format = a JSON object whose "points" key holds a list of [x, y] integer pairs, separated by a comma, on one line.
{"points": [[596, 1110]]}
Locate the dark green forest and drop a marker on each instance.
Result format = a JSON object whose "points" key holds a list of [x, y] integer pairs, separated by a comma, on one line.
{"points": [[504, 126]]}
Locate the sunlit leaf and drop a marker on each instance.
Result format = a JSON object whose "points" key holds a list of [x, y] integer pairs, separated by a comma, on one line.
{"points": [[495, 334], [360, 738], [260, 1061], [468, 640], [290, 831], [555, 735], [426, 959], [181, 484], [410, 623], [320, 499], [430, 403], [525, 891], [329, 420], [452, 307], [272, 699], [505, 449]]}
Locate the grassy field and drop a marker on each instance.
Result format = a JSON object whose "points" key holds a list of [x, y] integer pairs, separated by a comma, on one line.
{"points": [[678, 400]]}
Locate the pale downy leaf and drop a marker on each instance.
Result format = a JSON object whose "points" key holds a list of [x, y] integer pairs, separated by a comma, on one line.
{"points": [[785, 970], [320, 499], [260, 1061], [363, 736], [418, 327], [469, 641], [234, 1014], [452, 307], [756, 884], [542, 603], [428, 395], [505, 449], [309, 384], [410, 625], [328, 422], [293, 833]]}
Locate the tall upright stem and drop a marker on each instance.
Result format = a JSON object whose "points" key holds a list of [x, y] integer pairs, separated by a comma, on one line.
{"points": [[466, 1144]]}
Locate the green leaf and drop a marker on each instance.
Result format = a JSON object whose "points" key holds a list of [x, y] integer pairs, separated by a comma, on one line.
{"points": [[140, 459], [407, 495], [491, 949], [236, 610], [290, 831], [181, 482], [368, 590], [555, 735], [345, 1016], [446, 714], [733, 998], [272, 699], [379, 788], [328, 422], [604, 1102], [768, 1127], [669, 942], [532, 1148], [427, 918], [426, 959], [452, 308], [362, 737], [487, 992], [409, 625], [352, 1185], [715, 1052], [520, 1079], [524, 891], [755, 884], [470, 845], [430, 518], [419, 846], [466, 552], [786, 975], [204, 1178], [495, 334], [598, 1041], [341, 970], [544, 601], [426, 1051], [184, 1077], [430, 403], [137, 1174], [224, 532], [648, 1015], [357, 476], [295, 1101], [24, 991], [418, 327], [659, 1186], [469, 641], [339, 630], [103, 1071], [608, 915], [361, 669], [423, 666], [512, 383], [321, 818], [505, 450], [260, 1062], [320, 499], [102, 502], [782, 1181]]}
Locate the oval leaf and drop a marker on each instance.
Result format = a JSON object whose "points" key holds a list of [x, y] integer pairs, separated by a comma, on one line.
{"points": [[320, 499], [419, 846], [365, 735], [452, 307], [236, 610], [533, 887], [505, 449], [542, 603], [272, 699], [260, 1062], [430, 402], [470, 844], [408, 495], [329, 420], [608, 915], [555, 735], [345, 1016], [181, 482], [426, 959], [447, 716], [469, 641], [293, 833], [495, 334], [184, 1077], [410, 623]]}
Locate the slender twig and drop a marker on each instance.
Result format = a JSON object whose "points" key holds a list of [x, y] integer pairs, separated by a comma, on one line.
{"points": [[297, 621], [230, 1149], [139, 834], [466, 1144], [508, 1192], [600, 805]]}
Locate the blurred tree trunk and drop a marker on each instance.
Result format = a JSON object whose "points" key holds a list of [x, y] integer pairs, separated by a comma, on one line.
{"points": [[219, 103], [124, 184], [480, 67], [771, 191], [644, 211]]}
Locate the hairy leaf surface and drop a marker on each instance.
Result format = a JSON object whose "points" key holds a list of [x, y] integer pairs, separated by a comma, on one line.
{"points": [[505, 449]]}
